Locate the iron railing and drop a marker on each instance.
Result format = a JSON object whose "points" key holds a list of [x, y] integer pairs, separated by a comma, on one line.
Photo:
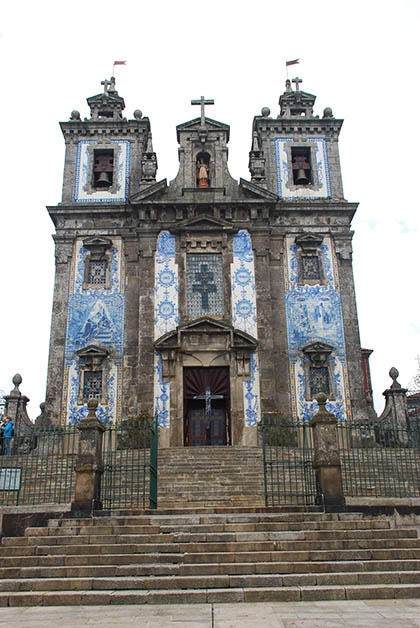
{"points": [[380, 458], [40, 466], [130, 456], [289, 477]]}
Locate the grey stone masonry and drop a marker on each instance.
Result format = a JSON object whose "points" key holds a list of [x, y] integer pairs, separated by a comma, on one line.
{"points": [[204, 208]]}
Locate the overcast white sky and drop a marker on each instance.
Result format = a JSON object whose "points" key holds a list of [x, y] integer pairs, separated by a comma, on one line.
{"points": [[360, 58]]}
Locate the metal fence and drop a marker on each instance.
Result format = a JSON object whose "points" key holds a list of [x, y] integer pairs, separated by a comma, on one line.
{"points": [[130, 454], [37, 466], [289, 477], [380, 459]]}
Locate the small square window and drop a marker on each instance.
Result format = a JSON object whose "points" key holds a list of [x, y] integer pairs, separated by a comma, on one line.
{"points": [[319, 380], [97, 272], [310, 267], [92, 384]]}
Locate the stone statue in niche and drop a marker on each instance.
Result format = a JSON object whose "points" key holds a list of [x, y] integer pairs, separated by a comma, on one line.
{"points": [[202, 173]]}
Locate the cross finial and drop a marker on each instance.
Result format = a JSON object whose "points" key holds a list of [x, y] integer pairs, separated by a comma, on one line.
{"points": [[296, 81], [106, 83], [202, 102]]}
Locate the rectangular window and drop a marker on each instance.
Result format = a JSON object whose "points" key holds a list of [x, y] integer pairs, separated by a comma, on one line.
{"points": [[310, 267], [92, 385], [319, 380], [97, 272], [103, 169], [301, 166], [204, 284]]}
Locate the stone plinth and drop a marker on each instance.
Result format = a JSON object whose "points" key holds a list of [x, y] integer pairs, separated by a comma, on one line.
{"points": [[89, 467], [326, 462]]}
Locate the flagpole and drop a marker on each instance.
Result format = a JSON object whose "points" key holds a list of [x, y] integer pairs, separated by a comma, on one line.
{"points": [[292, 62], [117, 63]]}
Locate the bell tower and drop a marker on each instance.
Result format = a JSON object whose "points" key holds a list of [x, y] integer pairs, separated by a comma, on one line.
{"points": [[107, 159], [300, 149], [203, 158], [295, 155]]}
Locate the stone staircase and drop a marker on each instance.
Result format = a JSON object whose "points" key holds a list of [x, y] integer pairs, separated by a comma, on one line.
{"points": [[201, 558], [212, 540], [210, 478]]}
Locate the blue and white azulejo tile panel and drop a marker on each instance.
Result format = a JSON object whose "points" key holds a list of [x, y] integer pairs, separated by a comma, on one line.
{"points": [[244, 316], [162, 394], [84, 192], [285, 186], [314, 313], [95, 317], [166, 316]]}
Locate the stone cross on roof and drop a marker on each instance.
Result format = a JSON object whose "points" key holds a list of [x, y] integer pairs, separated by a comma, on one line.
{"points": [[105, 83], [202, 102], [296, 81]]}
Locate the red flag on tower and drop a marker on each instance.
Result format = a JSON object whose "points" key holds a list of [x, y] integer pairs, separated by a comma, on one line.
{"points": [[293, 62], [120, 62]]}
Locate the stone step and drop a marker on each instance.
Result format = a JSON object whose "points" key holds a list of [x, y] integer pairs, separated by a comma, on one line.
{"points": [[126, 583], [324, 530], [130, 544], [120, 534], [340, 539], [228, 516], [215, 552], [165, 569], [268, 558], [202, 596]]}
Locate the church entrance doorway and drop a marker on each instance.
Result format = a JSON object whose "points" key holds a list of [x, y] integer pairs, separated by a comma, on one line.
{"points": [[206, 406]]}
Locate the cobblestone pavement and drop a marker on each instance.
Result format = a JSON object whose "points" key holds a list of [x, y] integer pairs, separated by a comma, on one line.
{"points": [[363, 614]]}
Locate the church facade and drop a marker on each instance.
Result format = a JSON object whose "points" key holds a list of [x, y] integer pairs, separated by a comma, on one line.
{"points": [[205, 300]]}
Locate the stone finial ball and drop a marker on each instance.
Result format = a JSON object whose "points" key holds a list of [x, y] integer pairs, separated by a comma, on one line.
{"points": [[138, 114], [321, 398], [393, 373], [265, 112], [17, 380], [75, 115], [328, 112], [92, 404]]}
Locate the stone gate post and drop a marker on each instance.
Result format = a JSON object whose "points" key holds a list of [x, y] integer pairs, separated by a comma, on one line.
{"points": [[89, 466], [327, 462]]}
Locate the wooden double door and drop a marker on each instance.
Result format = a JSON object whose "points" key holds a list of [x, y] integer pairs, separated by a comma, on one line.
{"points": [[206, 406]]}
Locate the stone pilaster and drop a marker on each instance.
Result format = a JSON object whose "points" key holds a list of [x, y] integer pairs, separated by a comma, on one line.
{"points": [[89, 467], [326, 462]]}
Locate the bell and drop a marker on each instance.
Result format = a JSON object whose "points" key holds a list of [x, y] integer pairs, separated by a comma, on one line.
{"points": [[301, 178], [103, 180]]}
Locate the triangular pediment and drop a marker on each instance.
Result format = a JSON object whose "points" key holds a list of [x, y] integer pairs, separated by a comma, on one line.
{"points": [[206, 324], [203, 223], [298, 96], [317, 347], [97, 241], [309, 240], [153, 191], [209, 125], [110, 98], [93, 351], [256, 191]]}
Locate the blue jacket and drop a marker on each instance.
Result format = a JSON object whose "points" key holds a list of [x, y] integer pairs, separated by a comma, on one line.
{"points": [[8, 429]]}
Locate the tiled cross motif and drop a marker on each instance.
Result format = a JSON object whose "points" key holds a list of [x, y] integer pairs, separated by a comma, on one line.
{"points": [[204, 287]]}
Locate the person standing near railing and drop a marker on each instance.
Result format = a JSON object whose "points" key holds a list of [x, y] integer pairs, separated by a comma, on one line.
{"points": [[7, 432]]}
